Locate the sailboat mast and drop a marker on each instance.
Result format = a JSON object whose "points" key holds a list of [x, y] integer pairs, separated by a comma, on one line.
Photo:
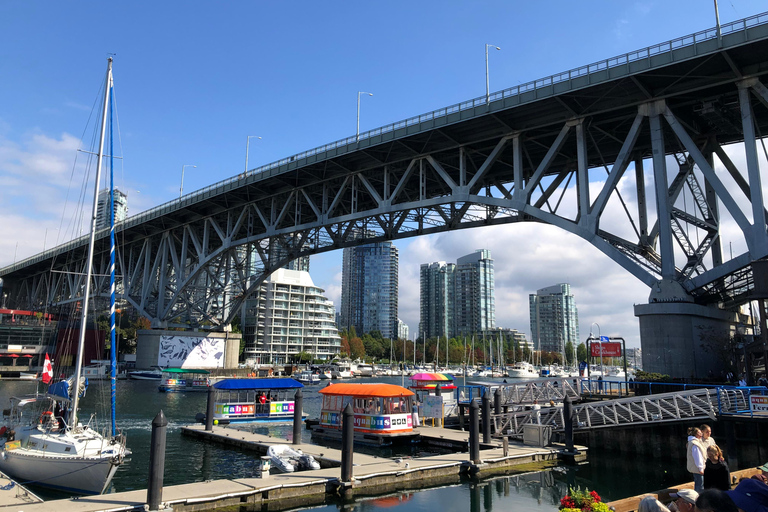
{"points": [[89, 260], [112, 333]]}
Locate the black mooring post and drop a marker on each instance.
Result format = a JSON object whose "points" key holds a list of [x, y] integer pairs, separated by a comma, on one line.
{"points": [[347, 442], [438, 390], [157, 461], [209, 410], [486, 419], [474, 432], [461, 417], [298, 404], [568, 419], [497, 409]]}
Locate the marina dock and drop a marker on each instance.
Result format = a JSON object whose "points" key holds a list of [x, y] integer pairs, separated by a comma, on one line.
{"points": [[15, 495], [372, 476]]}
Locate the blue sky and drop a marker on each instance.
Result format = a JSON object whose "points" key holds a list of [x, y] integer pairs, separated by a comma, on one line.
{"points": [[194, 79]]}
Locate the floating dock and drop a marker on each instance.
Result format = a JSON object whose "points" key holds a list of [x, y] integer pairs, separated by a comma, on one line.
{"points": [[13, 494], [372, 476]]}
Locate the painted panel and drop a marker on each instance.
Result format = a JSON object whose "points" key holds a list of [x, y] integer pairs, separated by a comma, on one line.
{"points": [[191, 352]]}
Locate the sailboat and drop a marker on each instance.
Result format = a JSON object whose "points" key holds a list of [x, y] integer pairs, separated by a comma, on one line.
{"points": [[45, 443]]}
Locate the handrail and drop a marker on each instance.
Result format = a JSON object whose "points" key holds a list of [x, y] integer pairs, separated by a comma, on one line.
{"points": [[602, 65]]}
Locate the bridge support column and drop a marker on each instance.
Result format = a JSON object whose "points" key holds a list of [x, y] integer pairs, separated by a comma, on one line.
{"points": [[682, 339]]}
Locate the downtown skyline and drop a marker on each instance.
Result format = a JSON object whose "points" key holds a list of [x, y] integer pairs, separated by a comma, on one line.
{"points": [[202, 108]]}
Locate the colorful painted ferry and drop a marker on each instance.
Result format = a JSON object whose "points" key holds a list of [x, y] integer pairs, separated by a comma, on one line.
{"points": [[254, 400], [382, 412], [174, 380]]}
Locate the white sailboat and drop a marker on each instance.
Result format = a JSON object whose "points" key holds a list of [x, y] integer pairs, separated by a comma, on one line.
{"points": [[52, 448]]}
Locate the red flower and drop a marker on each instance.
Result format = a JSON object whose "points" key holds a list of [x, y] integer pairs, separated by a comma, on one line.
{"points": [[595, 496]]}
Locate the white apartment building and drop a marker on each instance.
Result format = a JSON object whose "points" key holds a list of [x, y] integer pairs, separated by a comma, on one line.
{"points": [[287, 316]]}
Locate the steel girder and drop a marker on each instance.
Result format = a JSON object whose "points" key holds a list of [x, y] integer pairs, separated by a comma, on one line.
{"points": [[194, 262]]}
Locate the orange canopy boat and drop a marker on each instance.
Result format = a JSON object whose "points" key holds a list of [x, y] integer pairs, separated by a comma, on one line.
{"points": [[378, 408]]}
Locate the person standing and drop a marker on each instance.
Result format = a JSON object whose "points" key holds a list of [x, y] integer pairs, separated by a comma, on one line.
{"points": [[696, 458], [717, 475], [706, 437]]}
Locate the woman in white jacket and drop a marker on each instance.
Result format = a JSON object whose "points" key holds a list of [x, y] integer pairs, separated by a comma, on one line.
{"points": [[696, 459]]}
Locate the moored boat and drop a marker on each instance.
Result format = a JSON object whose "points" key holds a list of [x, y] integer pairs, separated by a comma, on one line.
{"points": [[155, 373], [308, 377], [288, 460], [254, 400], [522, 370], [184, 379], [382, 412]]}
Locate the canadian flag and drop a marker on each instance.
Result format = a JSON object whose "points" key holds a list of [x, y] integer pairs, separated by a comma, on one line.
{"points": [[47, 370]]}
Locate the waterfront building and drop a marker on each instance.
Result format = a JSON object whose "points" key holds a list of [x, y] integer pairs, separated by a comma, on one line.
{"points": [[457, 299], [289, 315], [369, 289], [512, 335], [402, 330], [554, 318], [102, 209]]}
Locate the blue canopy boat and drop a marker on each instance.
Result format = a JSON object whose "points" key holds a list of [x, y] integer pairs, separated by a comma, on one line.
{"points": [[254, 400]]}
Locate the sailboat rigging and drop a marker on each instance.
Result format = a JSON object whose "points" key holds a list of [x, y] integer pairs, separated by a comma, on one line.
{"points": [[56, 450]]}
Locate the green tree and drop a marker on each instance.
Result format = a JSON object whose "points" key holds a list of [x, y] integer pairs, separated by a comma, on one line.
{"points": [[581, 352], [569, 353]]}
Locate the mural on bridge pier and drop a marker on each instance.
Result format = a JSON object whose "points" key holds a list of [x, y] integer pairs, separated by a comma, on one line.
{"points": [[191, 352]]}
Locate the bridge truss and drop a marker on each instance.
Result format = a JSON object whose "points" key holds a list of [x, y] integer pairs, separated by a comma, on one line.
{"points": [[622, 156]]}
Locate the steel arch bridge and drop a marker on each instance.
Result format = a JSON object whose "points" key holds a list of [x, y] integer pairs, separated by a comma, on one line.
{"points": [[530, 154]]}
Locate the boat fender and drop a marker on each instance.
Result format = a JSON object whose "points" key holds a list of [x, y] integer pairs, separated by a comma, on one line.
{"points": [[3, 431]]}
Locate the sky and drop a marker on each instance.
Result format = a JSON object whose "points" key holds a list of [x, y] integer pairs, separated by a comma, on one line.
{"points": [[194, 79]]}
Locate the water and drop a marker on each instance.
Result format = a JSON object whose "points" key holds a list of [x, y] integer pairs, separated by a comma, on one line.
{"points": [[189, 460]]}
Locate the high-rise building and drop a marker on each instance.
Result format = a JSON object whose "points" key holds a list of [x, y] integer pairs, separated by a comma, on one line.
{"points": [[402, 330], [436, 285], [474, 306], [554, 318], [102, 209], [369, 288], [289, 315], [457, 299]]}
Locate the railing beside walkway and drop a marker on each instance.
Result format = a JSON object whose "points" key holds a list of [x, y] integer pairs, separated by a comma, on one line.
{"points": [[691, 404]]}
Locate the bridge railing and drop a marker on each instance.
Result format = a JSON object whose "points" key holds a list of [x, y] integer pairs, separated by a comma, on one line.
{"points": [[622, 60]]}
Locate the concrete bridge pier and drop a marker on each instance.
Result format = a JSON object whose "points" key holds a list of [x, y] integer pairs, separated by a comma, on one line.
{"points": [[683, 339]]}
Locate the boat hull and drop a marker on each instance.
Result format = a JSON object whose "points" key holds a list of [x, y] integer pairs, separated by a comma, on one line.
{"points": [[89, 475]]}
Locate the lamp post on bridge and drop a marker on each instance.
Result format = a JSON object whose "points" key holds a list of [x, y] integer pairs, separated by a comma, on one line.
{"points": [[181, 187], [487, 82], [357, 134], [247, 147]]}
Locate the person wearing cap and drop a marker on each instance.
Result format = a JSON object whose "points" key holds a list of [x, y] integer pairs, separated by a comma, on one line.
{"points": [[696, 458], [750, 496], [685, 499], [651, 504], [715, 500]]}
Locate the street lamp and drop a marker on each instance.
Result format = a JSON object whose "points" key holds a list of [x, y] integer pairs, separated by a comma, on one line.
{"points": [[45, 238], [181, 188], [601, 343], [487, 82], [717, 20], [247, 146], [357, 135]]}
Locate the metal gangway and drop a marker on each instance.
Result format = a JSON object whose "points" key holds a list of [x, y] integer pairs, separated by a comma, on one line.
{"points": [[696, 404], [516, 394]]}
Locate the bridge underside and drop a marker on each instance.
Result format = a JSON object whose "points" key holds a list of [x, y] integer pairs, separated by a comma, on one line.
{"points": [[624, 159]]}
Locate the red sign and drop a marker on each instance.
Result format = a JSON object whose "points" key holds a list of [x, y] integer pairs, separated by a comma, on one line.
{"points": [[606, 349]]}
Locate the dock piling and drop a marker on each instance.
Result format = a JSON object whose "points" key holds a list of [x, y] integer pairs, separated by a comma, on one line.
{"points": [[474, 432], [209, 410], [347, 442], [486, 419], [157, 461], [497, 401], [298, 400], [568, 419]]}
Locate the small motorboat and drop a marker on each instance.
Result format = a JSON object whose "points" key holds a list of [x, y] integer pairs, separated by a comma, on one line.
{"points": [[156, 373], [288, 460]]}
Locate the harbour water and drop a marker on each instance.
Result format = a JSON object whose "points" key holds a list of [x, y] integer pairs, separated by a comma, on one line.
{"points": [[189, 460]]}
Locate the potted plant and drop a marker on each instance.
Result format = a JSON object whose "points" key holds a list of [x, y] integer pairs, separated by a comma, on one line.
{"points": [[582, 501]]}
